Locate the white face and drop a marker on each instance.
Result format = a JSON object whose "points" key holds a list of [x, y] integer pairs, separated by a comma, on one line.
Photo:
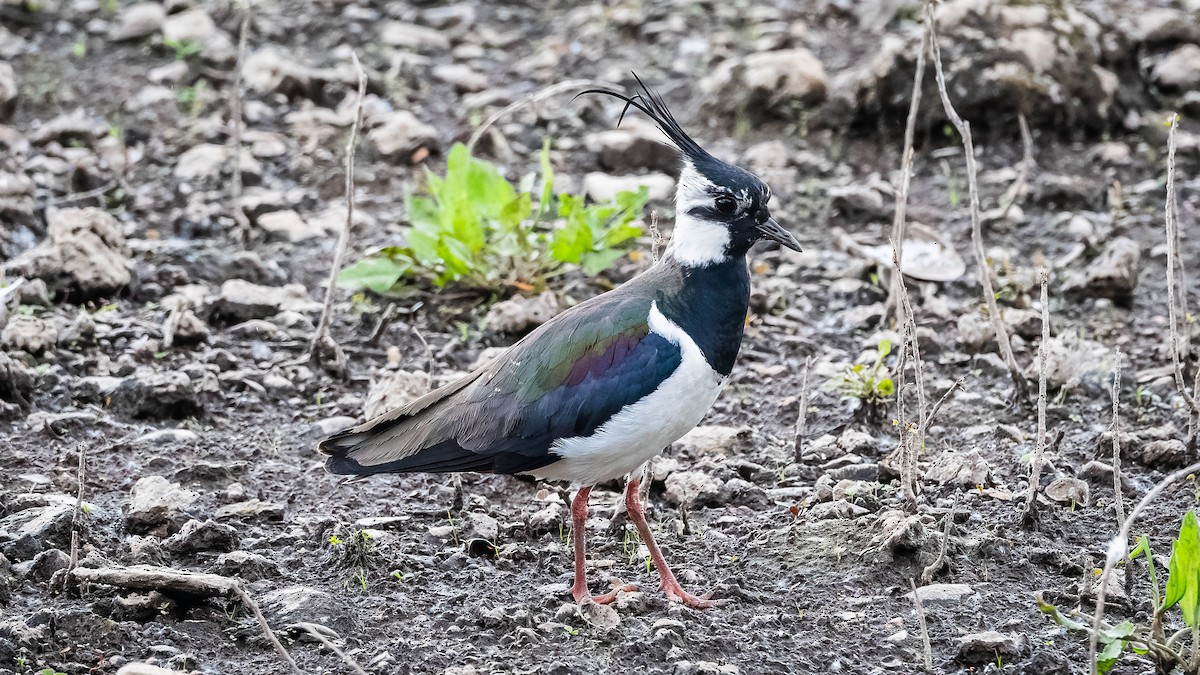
{"points": [[696, 242]]}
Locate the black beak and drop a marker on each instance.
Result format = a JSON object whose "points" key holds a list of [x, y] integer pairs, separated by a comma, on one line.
{"points": [[775, 232]]}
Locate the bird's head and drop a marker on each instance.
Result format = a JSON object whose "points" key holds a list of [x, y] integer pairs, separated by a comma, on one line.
{"points": [[721, 210]]}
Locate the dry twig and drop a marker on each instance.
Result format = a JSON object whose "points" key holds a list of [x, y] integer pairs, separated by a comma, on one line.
{"points": [[80, 475], [317, 635], [1020, 186], [939, 562], [1118, 493], [906, 161], [1118, 549], [655, 236], [926, 648], [1039, 451], [321, 340], [802, 414], [252, 606], [985, 278]]}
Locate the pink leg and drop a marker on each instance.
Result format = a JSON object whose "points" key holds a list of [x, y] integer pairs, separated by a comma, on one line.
{"points": [[579, 590], [670, 586]]}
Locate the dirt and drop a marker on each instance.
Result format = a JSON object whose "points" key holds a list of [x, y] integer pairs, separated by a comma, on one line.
{"points": [[815, 576]]}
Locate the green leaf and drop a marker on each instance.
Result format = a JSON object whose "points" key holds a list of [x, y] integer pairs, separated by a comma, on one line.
{"points": [[1183, 582], [516, 211], [885, 348], [424, 246], [595, 262], [886, 387], [547, 200], [1108, 657], [375, 273]]}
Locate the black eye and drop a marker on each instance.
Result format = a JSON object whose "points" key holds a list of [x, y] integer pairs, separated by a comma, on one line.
{"points": [[726, 205]]}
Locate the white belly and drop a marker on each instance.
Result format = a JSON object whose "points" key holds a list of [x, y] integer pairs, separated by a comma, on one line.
{"points": [[641, 430]]}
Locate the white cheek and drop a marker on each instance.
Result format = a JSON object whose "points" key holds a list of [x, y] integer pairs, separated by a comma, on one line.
{"points": [[697, 242]]}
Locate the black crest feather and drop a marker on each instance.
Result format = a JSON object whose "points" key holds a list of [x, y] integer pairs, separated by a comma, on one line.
{"points": [[651, 103]]}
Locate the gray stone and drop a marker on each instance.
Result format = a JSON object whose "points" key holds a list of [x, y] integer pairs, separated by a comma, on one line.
{"points": [[633, 146], [8, 89], [767, 80], [207, 161], [85, 252], [247, 565], [148, 394], [39, 526], [155, 502], [400, 134], [1068, 491], [711, 440], [168, 437], [966, 469], [300, 604], [942, 593], [411, 36], [393, 390], [29, 334], [519, 314], [289, 226], [46, 563], [985, 647], [463, 77], [196, 536], [138, 21], [241, 300], [602, 187], [692, 488], [1178, 70], [197, 27]]}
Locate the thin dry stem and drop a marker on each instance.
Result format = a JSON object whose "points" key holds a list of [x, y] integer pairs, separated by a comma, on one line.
{"points": [[938, 563], [322, 332], [802, 415], [985, 279], [926, 648], [655, 236], [252, 606], [1039, 452], [539, 95], [1118, 493], [80, 476], [912, 440], [1118, 550], [1020, 185], [938, 406], [899, 221], [328, 644]]}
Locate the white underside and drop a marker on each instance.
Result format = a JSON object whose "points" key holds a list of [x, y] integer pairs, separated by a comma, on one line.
{"points": [[641, 430]]}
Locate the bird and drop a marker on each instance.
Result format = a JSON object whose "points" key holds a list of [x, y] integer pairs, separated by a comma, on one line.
{"points": [[598, 390]]}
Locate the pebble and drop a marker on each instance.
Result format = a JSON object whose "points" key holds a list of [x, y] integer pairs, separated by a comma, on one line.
{"points": [[301, 604], [987, 646], [602, 187], [155, 502], [770, 79], [150, 394], [942, 593], [966, 469], [85, 251], [241, 300], [400, 134], [247, 565], [138, 21], [692, 488], [519, 314], [196, 536], [29, 334]]}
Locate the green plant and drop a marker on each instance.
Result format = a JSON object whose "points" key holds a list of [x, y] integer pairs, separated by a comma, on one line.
{"points": [[1183, 590], [191, 99], [79, 48], [184, 49], [870, 384], [473, 228]]}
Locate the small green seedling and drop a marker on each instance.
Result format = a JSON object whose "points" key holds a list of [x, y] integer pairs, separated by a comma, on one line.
{"points": [[870, 384], [473, 228], [184, 49]]}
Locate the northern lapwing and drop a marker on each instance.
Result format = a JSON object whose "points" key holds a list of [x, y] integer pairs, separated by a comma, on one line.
{"points": [[598, 390]]}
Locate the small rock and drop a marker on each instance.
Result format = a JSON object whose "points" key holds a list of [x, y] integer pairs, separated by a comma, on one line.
{"points": [[692, 488], [966, 469], [838, 509], [46, 563], [411, 36], [288, 226], [463, 77], [247, 565], [197, 27], [156, 501], [669, 632], [251, 508], [155, 395], [196, 536], [139, 668], [1115, 272], [394, 390], [331, 425], [768, 80], [519, 314], [85, 252], [1068, 491], [29, 334], [206, 161], [901, 532], [401, 134], [138, 21], [168, 437], [856, 442], [300, 604], [985, 647], [713, 440], [241, 300], [1179, 70], [942, 593], [601, 187], [634, 146]]}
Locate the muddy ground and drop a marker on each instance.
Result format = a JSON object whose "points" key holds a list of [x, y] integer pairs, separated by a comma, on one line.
{"points": [[814, 557]]}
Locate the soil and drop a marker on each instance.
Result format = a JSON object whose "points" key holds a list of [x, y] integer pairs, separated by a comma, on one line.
{"points": [[812, 576]]}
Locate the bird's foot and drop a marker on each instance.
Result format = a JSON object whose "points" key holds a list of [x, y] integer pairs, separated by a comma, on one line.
{"points": [[581, 594], [675, 593]]}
